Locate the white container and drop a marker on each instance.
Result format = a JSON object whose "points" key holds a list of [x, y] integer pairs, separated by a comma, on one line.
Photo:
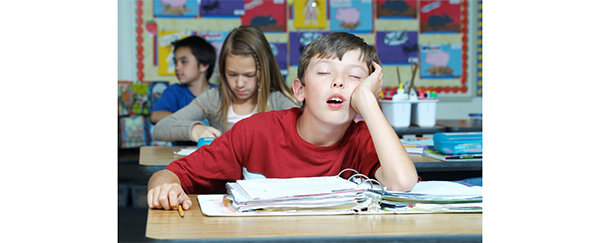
{"points": [[423, 112], [397, 112]]}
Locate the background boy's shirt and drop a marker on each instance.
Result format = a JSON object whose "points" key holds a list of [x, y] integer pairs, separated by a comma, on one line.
{"points": [[268, 144], [175, 97]]}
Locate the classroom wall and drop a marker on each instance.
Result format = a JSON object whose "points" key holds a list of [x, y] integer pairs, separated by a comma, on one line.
{"points": [[449, 107]]}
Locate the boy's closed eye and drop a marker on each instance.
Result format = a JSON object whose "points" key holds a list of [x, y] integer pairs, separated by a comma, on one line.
{"points": [[355, 76]]}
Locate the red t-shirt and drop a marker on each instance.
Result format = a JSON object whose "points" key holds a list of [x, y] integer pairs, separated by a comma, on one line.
{"points": [[268, 144]]}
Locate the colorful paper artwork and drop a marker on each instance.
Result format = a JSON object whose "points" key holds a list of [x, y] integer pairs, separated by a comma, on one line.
{"points": [[397, 9], [132, 132], [441, 61], [165, 50], [156, 90], [298, 40], [397, 47], [219, 8], [215, 38], [175, 8], [440, 16], [351, 16], [267, 15], [139, 97], [124, 97], [310, 14]]}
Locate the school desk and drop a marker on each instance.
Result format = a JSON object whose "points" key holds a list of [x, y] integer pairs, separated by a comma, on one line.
{"points": [[167, 225], [459, 125], [418, 131], [155, 158]]}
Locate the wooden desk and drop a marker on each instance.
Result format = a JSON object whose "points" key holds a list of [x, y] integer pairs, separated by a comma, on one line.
{"points": [[459, 126], [195, 226], [155, 158]]}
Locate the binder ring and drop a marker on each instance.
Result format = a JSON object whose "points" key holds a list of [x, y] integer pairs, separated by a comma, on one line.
{"points": [[344, 170], [371, 182], [357, 178]]}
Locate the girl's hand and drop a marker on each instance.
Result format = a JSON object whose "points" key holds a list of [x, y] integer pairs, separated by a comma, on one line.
{"points": [[202, 131]]}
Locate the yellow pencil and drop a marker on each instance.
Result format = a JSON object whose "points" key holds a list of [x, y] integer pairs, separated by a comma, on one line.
{"points": [[180, 209]]}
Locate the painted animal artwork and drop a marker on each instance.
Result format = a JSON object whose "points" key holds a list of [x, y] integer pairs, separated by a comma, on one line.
{"points": [[436, 21], [440, 16], [349, 18], [439, 61], [397, 8], [174, 7]]}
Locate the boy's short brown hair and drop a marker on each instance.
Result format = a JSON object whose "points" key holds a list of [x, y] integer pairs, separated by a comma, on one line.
{"points": [[336, 44]]}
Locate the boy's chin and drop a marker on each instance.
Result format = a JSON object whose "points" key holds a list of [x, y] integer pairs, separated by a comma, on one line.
{"points": [[341, 119]]}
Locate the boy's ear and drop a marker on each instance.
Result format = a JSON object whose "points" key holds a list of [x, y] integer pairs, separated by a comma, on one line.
{"points": [[298, 90], [203, 67]]}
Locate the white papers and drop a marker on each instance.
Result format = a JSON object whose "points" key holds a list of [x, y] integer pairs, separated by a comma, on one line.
{"points": [[302, 186], [295, 194], [215, 207], [446, 188], [186, 151]]}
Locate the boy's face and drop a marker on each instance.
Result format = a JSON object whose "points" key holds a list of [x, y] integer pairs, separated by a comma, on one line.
{"points": [[329, 84], [186, 65], [241, 75]]}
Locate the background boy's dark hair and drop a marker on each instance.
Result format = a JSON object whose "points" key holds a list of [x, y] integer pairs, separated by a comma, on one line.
{"points": [[203, 51], [336, 44]]}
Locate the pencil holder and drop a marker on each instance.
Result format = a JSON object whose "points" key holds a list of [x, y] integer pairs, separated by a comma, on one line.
{"points": [[397, 112], [423, 112]]}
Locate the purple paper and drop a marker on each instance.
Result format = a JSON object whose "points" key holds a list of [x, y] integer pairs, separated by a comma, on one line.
{"points": [[229, 8], [298, 40], [280, 53], [397, 47]]}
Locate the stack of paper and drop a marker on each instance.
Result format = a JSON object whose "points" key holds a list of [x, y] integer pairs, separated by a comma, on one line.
{"points": [[335, 195], [308, 193], [435, 196]]}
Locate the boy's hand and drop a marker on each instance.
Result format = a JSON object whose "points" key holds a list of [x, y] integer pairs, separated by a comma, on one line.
{"points": [[370, 86], [201, 131], [168, 196]]}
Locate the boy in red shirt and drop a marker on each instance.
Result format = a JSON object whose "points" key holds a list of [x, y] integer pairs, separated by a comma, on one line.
{"points": [[339, 76]]}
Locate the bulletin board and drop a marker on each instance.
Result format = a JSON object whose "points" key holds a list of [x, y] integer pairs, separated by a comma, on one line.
{"points": [[438, 35]]}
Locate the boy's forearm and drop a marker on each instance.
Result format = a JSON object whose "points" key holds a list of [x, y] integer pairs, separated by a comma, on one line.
{"points": [[397, 170], [161, 177]]}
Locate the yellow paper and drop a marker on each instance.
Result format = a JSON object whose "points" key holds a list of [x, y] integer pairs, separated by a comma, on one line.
{"points": [[310, 14], [165, 50]]}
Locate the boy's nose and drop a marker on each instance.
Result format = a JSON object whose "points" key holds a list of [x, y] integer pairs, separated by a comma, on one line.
{"points": [[338, 82]]}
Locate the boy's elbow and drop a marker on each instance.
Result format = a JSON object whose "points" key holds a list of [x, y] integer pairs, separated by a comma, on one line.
{"points": [[402, 182], [403, 185]]}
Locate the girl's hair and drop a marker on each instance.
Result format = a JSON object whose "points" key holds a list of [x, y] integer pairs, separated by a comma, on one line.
{"points": [[335, 45], [250, 41]]}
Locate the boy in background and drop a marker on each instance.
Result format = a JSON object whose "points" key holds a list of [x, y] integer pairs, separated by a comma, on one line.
{"points": [[339, 76], [194, 60]]}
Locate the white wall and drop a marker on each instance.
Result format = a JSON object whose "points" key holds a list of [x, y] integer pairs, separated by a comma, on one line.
{"points": [[446, 108], [126, 40]]}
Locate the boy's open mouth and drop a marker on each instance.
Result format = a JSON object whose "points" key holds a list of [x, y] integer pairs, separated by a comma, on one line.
{"points": [[335, 100]]}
